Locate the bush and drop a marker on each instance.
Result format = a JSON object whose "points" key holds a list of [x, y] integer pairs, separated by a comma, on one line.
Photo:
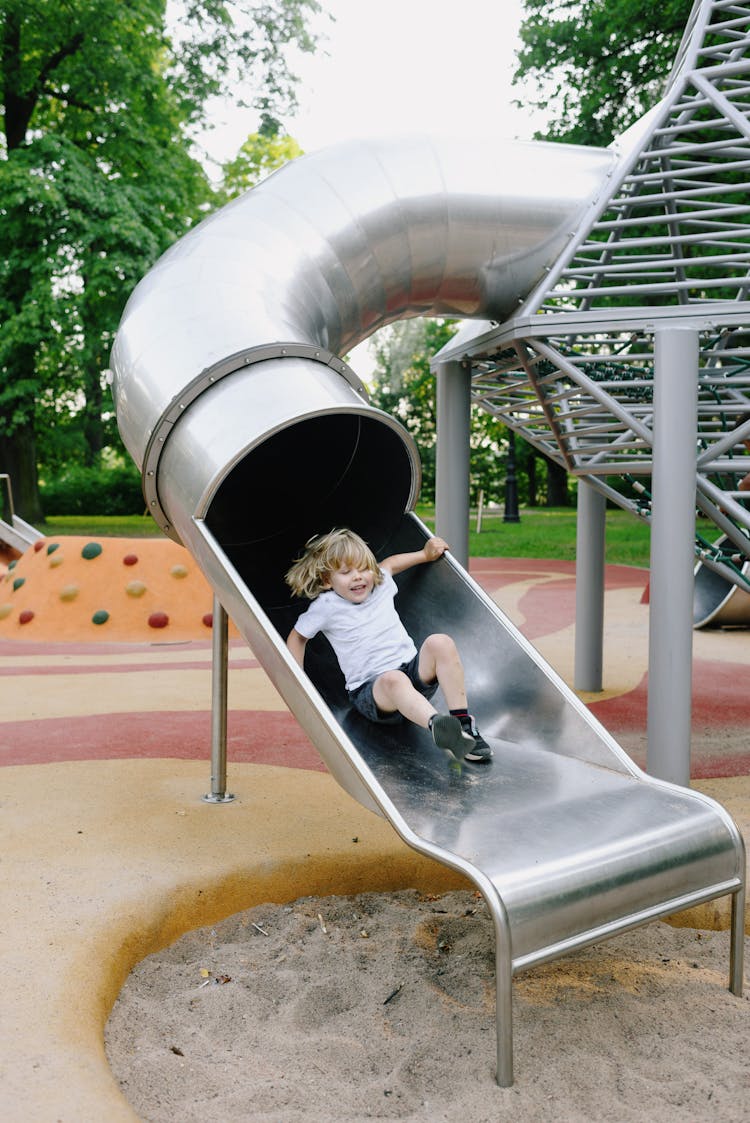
{"points": [[94, 491]]}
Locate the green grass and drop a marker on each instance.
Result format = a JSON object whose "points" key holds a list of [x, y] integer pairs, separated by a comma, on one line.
{"points": [[550, 532], [102, 526], [543, 532]]}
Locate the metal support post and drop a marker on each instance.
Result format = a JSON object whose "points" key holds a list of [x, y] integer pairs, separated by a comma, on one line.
{"points": [[590, 542], [452, 458], [511, 514], [219, 694], [676, 360]]}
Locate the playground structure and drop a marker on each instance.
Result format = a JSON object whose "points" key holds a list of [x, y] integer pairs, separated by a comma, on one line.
{"points": [[230, 392], [646, 305], [16, 535]]}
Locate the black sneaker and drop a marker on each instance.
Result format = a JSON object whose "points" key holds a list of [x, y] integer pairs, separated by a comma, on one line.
{"points": [[480, 752], [448, 734]]}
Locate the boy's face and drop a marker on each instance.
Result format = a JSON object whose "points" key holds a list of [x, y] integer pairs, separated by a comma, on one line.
{"points": [[351, 583]]}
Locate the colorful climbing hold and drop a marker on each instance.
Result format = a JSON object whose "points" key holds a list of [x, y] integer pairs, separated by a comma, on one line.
{"points": [[12, 565], [158, 620], [26, 616], [208, 619], [38, 545], [100, 617], [130, 559], [69, 592], [19, 581], [5, 610], [135, 588], [52, 547], [91, 550], [58, 559], [179, 571]]}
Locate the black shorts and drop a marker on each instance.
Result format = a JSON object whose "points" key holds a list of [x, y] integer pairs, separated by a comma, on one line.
{"points": [[362, 697]]}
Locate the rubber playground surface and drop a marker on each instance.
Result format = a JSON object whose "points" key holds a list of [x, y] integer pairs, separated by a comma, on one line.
{"points": [[109, 852]]}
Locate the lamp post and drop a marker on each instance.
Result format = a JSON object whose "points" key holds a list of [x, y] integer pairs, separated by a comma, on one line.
{"points": [[511, 489]]}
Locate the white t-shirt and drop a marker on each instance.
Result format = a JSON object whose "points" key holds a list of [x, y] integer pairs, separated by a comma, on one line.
{"points": [[368, 638]]}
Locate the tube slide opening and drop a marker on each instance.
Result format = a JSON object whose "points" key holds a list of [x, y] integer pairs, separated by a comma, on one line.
{"points": [[718, 602], [342, 469]]}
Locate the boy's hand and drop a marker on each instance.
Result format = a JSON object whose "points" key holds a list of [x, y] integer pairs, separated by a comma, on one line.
{"points": [[434, 548]]}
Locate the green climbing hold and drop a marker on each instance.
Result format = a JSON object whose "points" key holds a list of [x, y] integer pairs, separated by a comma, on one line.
{"points": [[19, 581], [100, 617], [52, 547], [91, 550]]}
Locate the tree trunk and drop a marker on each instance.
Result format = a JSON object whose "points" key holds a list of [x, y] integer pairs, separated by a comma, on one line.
{"points": [[18, 460], [93, 427]]}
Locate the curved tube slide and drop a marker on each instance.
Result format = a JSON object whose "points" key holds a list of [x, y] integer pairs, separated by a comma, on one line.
{"points": [[252, 434]]}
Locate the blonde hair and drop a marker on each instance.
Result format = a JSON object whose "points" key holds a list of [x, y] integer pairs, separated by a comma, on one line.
{"points": [[326, 553]]}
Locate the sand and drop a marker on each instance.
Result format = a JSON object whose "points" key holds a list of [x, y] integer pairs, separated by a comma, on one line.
{"points": [[381, 1006]]}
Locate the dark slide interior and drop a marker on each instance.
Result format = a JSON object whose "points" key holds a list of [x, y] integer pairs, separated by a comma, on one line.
{"points": [[347, 470]]}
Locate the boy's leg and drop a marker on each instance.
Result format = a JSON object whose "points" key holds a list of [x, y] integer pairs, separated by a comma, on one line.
{"points": [[439, 659], [393, 691]]}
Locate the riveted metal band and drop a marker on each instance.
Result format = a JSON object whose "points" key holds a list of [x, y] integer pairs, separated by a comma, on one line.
{"points": [[240, 360]]}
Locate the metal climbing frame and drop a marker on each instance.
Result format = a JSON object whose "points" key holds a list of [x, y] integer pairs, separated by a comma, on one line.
{"points": [[667, 243]]}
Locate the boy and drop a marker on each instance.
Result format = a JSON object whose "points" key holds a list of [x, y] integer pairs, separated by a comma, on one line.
{"points": [[387, 679]]}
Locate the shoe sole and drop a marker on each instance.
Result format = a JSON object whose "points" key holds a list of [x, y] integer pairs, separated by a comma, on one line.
{"points": [[448, 735], [473, 758]]}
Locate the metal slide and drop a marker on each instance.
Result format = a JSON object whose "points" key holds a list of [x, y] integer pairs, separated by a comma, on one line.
{"points": [[252, 434], [566, 839], [15, 532]]}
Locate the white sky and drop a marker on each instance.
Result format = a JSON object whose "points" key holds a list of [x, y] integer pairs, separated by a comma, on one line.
{"points": [[395, 66], [388, 67]]}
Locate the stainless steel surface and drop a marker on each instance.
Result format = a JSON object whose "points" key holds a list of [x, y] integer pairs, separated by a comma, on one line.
{"points": [[667, 243], [453, 457], [332, 247], [670, 634], [591, 526], [219, 692], [717, 602], [16, 533], [252, 434], [567, 840]]}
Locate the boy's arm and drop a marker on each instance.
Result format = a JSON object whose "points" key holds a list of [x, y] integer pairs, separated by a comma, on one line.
{"points": [[297, 643], [433, 549]]}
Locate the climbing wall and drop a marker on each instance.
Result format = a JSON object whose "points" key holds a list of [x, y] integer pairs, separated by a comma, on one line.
{"points": [[107, 589]]}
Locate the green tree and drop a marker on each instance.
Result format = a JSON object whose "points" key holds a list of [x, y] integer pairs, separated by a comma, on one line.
{"points": [[404, 386], [595, 66], [260, 155], [99, 101]]}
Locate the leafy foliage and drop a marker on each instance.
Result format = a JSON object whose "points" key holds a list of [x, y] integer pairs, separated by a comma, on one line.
{"points": [[260, 155], [595, 66], [94, 491], [404, 387], [99, 101]]}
